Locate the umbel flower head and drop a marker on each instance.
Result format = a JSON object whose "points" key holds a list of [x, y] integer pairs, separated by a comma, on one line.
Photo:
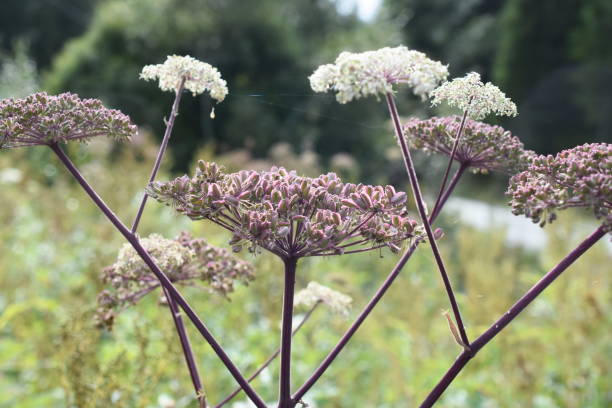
{"points": [[199, 76], [483, 147], [185, 260], [578, 177], [289, 215], [357, 75], [470, 94], [42, 119], [316, 293]]}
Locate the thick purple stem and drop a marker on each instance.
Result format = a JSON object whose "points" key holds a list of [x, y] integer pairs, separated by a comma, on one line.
{"points": [[163, 279], [284, 399], [513, 312], [269, 359], [418, 197], [450, 160], [161, 152], [186, 346], [371, 304]]}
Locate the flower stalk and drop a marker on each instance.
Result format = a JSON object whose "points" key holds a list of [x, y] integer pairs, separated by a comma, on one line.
{"points": [[164, 281], [162, 150], [271, 358], [187, 351], [416, 190], [450, 160], [510, 315], [284, 399], [378, 295]]}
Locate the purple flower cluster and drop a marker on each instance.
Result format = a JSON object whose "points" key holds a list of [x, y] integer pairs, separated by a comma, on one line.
{"points": [[578, 177], [42, 119], [482, 147], [289, 215], [185, 260]]}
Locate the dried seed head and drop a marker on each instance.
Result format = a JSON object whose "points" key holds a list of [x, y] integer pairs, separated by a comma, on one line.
{"points": [[290, 215], [185, 260], [578, 177], [483, 147], [42, 119]]}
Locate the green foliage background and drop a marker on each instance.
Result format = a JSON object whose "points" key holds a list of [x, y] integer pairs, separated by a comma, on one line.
{"points": [[53, 242]]}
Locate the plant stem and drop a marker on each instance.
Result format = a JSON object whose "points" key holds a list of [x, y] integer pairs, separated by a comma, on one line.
{"points": [[416, 190], [371, 304], [162, 150], [450, 160], [186, 346], [512, 313], [163, 279], [284, 399], [444, 196], [269, 359]]}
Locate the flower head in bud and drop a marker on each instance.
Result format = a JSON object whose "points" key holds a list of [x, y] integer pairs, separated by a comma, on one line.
{"points": [[471, 95], [578, 177], [483, 147], [185, 260], [289, 215], [357, 75], [315, 293], [42, 119], [199, 76]]}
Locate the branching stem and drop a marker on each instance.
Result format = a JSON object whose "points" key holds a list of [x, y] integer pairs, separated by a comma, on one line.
{"points": [[416, 190], [163, 279], [510, 315]]}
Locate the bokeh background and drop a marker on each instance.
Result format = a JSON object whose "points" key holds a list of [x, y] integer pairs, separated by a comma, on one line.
{"points": [[553, 57]]}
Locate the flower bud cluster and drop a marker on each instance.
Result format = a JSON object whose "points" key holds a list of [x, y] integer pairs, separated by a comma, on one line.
{"points": [[316, 293], [199, 76], [357, 75], [289, 215], [42, 119], [471, 95], [185, 260], [483, 147], [578, 177]]}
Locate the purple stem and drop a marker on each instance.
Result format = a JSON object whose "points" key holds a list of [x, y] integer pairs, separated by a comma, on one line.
{"points": [[450, 160], [451, 187], [513, 312], [163, 279], [284, 399], [423, 213], [186, 346], [269, 360], [370, 306], [162, 150]]}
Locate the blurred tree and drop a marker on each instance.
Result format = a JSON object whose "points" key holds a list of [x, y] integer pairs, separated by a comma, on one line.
{"points": [[551, 60], [460, 33], [265, 52], [44, 25]]}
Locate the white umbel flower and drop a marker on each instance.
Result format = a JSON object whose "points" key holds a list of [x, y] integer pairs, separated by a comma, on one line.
{"points": [[469, 93], [168, 255], [314, 292], [199, 76], [357, 75]]}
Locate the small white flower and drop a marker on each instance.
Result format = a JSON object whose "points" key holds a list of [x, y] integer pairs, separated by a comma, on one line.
{"points": [[357, 75], [469, 93], [199, 76], [314, 292], [168, 255]]}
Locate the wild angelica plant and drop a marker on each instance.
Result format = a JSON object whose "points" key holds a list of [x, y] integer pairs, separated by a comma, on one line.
{"points": [[295, 217]]}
